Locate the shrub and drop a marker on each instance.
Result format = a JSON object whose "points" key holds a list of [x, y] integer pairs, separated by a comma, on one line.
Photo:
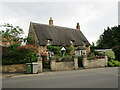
{"points": [[20, 54], [110, 54], [58, 58], [11, 54], [27, 53], [67, 58], [69, 50], [55, 49], [116, 50], [91, 54], [101, 54], [96, 53], [58, 53], [89, 58], [113, 63], [110, 64], [44, 54]]}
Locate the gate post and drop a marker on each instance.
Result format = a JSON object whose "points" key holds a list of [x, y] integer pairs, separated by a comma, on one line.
{"points": [[84, 61], [52, 63], [40, 67], [106, 61], [75, 62]]}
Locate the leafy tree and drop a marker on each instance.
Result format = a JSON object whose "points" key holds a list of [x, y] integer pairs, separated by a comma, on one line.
{"points": [[10, 33], [109, 38], [92, 47], [116, 50]]}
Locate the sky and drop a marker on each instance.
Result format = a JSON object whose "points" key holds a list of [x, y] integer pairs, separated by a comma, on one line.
{"points": [[94, 16]]}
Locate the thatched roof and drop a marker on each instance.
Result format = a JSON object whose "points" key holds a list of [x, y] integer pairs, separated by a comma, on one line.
{"points": [[80, 48], [58, 35]]}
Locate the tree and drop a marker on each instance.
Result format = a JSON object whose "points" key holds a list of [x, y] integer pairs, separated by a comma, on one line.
{"points": [[11, 37], [116, 50], [92, 47], [11, 34], [109, 38]]}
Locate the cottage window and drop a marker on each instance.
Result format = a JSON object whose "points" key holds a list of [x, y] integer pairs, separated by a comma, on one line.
{"points": [[83, 52], [49, 42], [80, 52], [72, 42]]}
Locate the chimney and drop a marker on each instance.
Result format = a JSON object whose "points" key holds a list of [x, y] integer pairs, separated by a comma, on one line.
{"points": [[78, 26], [50, 21]]}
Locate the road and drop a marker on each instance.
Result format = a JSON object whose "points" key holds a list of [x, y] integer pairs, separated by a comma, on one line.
{"points": [[86, 78]]}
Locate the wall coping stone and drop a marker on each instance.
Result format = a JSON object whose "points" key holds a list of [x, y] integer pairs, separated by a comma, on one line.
{"points": [[52, 58]]}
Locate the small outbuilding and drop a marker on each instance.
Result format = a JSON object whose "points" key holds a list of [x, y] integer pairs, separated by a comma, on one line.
{"points": [[80, 50]]}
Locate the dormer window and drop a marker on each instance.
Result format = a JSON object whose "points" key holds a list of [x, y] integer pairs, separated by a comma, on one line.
{"points": [[84, 43], [49, 41], [71, 42]]}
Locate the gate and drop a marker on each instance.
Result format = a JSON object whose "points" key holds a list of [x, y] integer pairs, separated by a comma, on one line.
{"points": [[46, 63], [80, 63]]}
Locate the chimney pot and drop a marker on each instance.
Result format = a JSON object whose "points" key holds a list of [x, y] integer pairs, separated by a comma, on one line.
{"points": [[78, 26], [50, 21]]}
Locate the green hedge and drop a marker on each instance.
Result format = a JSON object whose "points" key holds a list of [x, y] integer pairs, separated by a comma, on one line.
{"points": [[20, 54], [113, 63]]}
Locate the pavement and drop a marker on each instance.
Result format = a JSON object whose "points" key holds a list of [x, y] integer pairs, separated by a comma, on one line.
{"points": [[87, 78], [12, 74], [8, 75]]}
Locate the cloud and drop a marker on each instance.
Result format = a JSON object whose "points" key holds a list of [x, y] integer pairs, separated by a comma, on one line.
{"points": [[93, 16], [59, 1]]}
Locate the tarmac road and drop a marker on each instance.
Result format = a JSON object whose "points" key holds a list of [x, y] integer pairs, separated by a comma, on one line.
{"points": [[87, 78]]}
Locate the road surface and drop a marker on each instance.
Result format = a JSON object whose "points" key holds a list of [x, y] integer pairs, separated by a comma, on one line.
{"points": [[87, 78]]}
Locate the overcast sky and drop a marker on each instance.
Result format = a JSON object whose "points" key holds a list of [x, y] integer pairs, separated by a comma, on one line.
{"points": [[93, 17]]}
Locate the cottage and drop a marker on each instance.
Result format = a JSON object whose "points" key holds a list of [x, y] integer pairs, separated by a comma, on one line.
{"points": [[42, 35]]}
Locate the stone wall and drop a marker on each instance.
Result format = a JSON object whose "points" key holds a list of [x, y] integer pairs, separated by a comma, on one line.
{"points": [[13, 68], [94, 63], [64, 65]]}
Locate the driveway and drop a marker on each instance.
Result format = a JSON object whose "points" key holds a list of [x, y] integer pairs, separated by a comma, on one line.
{"points": [[87, 78]]}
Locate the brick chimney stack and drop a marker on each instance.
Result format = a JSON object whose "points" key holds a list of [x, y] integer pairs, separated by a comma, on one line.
{"points": [[78, 26], [50, 21]]}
